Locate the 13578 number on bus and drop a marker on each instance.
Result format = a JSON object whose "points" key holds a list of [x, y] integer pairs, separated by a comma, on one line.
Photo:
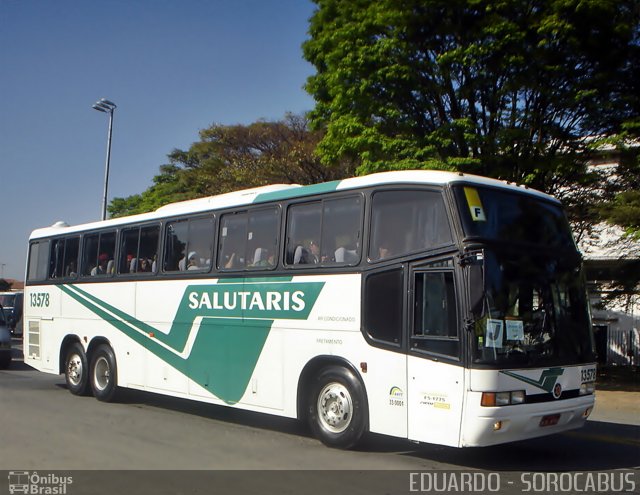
{"points": [[588, 375], [39, 299]]}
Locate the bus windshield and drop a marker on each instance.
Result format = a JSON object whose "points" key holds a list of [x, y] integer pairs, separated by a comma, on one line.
{"points": [[533, 312], [502, 215]]}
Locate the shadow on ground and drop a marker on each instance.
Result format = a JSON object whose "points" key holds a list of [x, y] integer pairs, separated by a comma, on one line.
{"points": [[619, 378]]}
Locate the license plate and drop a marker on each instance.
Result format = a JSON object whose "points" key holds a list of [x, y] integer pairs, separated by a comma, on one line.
{"points": [[550, 420]]}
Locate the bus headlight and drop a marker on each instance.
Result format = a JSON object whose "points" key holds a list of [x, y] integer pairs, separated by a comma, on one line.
{"points": [[587, 388], [517, 397], [496, 399]]}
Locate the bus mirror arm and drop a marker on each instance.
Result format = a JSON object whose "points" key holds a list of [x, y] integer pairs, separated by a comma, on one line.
{"points": [[474, 267]]}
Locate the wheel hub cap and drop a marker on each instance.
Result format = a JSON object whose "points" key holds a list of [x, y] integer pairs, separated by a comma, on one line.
{"points": [[74, 369], [335, 407], [102, 373]]}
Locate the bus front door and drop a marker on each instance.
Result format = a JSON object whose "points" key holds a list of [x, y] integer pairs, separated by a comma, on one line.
{"points": [[435, 375]]}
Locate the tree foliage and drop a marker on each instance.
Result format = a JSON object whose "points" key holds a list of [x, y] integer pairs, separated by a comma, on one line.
{"points": [[621, 206], [529, 91], [232, 157], [501, 88], [625, 211]]}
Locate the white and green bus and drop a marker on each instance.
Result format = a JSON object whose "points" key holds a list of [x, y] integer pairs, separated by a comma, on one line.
{"points": [[439, 307]]}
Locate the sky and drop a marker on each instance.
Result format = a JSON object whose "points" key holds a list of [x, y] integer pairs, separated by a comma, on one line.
{"points": [[173, 68]]}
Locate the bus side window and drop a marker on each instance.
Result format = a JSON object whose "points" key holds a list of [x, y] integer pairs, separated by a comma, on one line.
{"points": [[71, 252], [262, 238], [200, 249], [139, 249], [174, 246], [148, 250], [128, 250], [107, 252], [89, 253], [435, 326], [188, 245], [404, 222], [233, 241], [98, 254], [341, 230], [63, 260], [38, 260], [324, 232], [56, 258], [304, 224], [382, 306]]}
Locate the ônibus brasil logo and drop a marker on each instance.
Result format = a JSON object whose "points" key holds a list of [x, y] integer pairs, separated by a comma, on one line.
{"points": [[218, 331], [38, 484]]}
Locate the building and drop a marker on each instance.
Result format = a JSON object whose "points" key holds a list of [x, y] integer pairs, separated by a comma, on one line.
{"points": [[609, 258]]}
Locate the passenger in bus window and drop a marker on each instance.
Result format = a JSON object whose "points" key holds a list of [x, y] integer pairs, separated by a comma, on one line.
{"points": [[183, 263], [131, 264], [314, 249], [300, 255], [263, 258], [101, 269], [71, 271], [145, 265], [231, 261], [384, 252], [192, 261], [345, 255]]}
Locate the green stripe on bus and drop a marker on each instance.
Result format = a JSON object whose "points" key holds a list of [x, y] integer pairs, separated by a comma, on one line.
{"points": [[219, 330], [325, 187]]}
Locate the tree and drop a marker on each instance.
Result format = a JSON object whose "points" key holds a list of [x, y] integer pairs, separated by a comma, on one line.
{"points": [[621, 206], [506, 88], [625, 211], [229, 158], [528, 91]]}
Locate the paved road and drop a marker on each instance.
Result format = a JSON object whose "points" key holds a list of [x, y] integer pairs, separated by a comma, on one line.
{"points": [[47, 428]]}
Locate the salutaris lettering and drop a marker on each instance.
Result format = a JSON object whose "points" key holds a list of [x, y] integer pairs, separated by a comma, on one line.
{"points": [[248, 300]]}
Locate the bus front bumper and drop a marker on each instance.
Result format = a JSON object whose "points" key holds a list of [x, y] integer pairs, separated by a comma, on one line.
{"points": [[484, 426]]}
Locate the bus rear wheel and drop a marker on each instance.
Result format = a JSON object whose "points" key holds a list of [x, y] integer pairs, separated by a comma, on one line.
{"points": [[337, 408], [104, 374], [76, 370]]}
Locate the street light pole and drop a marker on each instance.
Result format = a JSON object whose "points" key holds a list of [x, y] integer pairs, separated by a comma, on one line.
{"points": [[106, 106]]}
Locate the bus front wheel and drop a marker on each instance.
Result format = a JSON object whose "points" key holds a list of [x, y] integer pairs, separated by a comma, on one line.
{"points": [[104, 375], [76, 370], [337, 408]]}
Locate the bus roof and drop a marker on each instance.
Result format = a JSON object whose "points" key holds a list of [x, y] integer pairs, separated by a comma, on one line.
{"points": [[287, 191]]}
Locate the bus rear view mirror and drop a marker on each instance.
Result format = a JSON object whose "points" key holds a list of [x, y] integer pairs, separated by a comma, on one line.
{"points": [[475, 281]]}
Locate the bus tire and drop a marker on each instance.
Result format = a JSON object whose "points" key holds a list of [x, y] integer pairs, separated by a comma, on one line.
{"points": [[104, 374], [76, 370], [337, 408]]}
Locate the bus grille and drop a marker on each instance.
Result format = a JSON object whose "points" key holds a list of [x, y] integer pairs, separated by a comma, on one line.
{"points": [[33, 336]]}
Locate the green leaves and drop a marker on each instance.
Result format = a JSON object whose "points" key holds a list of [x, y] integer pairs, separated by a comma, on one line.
{"points": [[492, 87], [229, 158]]}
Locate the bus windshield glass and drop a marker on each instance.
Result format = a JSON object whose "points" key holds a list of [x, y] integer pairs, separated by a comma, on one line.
{"points": [[502, 215], [533, 312]]}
